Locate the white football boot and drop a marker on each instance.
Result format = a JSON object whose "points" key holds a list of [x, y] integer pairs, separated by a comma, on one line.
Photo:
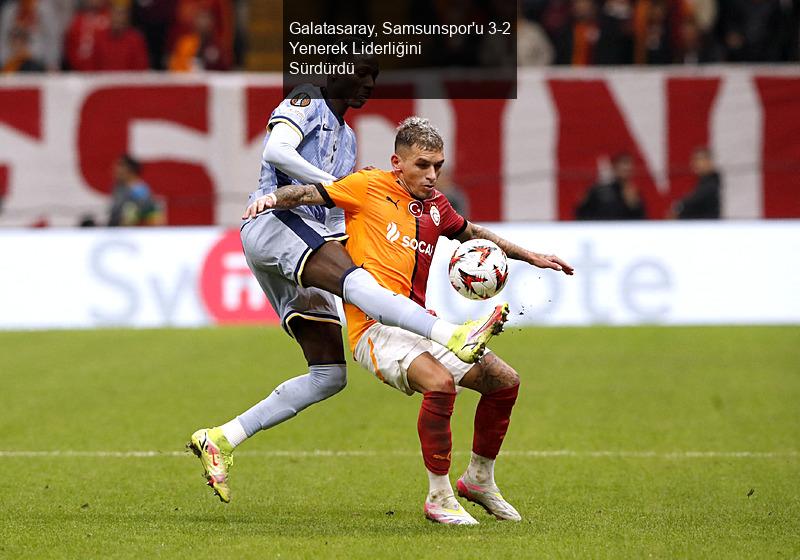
{"points": [[444, 508], [488, 497]]}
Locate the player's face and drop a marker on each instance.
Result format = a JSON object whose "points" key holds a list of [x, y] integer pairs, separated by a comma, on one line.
{"points": [[357, 88], [418, 169]]}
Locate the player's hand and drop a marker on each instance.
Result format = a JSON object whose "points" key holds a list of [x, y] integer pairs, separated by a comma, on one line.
{"points": [[259, 205], [551, 261]]}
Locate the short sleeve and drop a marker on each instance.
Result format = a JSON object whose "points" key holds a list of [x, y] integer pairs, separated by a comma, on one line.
{"points": [[452, 224], [299, 110], [349, 192]]}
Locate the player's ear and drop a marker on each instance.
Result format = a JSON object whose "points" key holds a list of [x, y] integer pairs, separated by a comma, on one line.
{"points": [[395, 159]]}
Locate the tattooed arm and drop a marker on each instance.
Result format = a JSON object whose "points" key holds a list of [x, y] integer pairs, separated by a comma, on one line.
{"points": [[514, 251], [290, 196]]}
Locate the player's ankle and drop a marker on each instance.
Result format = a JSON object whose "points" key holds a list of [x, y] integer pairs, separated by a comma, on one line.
{"points": [[439, 487], [480, 470], [234, 432]]}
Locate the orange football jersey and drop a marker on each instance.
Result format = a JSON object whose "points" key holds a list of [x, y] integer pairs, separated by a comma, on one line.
{"points": [[392, 234]]}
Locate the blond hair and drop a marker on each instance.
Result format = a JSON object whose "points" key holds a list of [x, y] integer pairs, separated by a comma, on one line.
{"points": [[420, 132]]}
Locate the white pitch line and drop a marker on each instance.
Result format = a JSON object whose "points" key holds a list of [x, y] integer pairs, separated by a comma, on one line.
{"points": [[544, 453]]}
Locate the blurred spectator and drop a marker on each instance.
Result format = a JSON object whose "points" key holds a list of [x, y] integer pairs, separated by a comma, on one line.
{"points": [[132, 203], [500, 50], [617, 200], [41, 21], [457, 49], [120, 47], [703, 203], [240, 41], [703, 12], [556, 19], [753, 30], [199, 50], [615, 42], [187, 13], [533, 46], [81, 36], [652, 32], [694, 46], [20, 58], [585, 32], [155, 18], [455, 194], [64, 9]]}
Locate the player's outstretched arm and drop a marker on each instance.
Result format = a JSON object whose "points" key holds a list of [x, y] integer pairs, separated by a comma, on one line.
{"points": [[514, 251], [290, 196]]}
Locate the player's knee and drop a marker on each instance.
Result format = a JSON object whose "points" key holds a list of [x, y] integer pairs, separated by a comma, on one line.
{"points": [[328, 379], [443, 384]]}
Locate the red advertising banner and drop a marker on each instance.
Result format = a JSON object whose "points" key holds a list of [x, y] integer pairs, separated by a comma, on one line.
{"points": [[200, 141]]}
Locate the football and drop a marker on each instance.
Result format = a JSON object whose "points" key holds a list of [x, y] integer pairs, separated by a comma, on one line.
{"points": [[478, 269]]}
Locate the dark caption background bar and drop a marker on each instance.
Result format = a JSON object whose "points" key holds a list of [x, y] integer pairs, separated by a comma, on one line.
{"points": [[463, 66]]}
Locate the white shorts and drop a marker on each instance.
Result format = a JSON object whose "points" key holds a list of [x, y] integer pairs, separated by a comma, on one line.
{"points": [[388, 352]]}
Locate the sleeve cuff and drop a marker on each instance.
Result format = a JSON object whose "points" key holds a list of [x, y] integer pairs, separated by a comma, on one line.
{"points": [[460, 230], [288, 121], [329, 203]]}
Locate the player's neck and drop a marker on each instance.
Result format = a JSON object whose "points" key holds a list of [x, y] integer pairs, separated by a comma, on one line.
{"points": [[403, 184], [338, 106]]}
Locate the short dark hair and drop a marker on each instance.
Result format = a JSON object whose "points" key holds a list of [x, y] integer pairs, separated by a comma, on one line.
{"points": [[418, 131], [132, 164]]}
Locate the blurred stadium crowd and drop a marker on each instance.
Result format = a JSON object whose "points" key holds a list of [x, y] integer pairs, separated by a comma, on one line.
{"points": [[120, 35], [618, 32], [189, 35]]}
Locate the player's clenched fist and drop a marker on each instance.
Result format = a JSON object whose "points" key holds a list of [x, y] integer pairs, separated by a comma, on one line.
{"points": [[259, 205]]}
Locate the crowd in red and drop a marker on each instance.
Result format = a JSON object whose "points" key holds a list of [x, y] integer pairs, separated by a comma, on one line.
{"points": [[619, 32], [109, 35]]}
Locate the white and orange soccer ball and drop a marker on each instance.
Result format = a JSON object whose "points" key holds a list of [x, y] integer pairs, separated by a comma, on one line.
{"points": [[478, 269]]}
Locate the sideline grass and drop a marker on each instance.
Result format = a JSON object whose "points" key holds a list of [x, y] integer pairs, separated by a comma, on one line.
{"points": [[665, 390]]}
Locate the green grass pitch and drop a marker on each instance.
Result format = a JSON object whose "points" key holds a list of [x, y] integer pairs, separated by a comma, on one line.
{"points": [[629, 407]]}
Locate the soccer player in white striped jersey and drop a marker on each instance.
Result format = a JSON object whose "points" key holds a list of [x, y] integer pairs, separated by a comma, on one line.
{"points": [[299, 261]]}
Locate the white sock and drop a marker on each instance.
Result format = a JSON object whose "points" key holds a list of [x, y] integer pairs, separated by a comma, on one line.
{"points": [[293, 396], [234, 432], [361, 289], [481, 470], [442, 331], [438, 486]]}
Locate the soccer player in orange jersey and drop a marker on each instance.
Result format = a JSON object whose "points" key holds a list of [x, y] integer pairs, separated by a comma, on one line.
{"points": [[394, 219]]}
